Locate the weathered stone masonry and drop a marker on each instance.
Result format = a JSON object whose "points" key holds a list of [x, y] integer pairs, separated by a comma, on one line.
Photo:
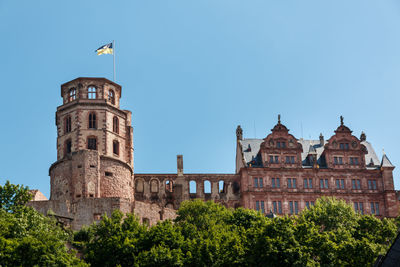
{"points": [[94, 172]]}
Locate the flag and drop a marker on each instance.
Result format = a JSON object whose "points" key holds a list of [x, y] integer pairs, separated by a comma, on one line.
{"points": [[105, 49]]}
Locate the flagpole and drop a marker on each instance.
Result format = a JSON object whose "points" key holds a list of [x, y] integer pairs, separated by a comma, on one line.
{"points": [[114, 59]]}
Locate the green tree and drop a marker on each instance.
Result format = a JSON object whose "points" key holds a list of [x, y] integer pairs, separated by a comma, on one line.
{"points": [[27, 238]]}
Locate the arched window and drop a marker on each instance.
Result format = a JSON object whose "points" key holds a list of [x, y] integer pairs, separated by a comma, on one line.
{"points": [[207, 187], [111, 96], [139, 186], [71, 94], [168, 186], [92, 92], [221, 186], [192, 187], [115, 125], [92, 143], [154, 186], [68, 147], [67, 124], [92, 121], [116, 147]]}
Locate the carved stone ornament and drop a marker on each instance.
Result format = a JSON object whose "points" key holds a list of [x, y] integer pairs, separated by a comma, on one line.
{"points": [[271, 142], [334, 144], [354, 144]]}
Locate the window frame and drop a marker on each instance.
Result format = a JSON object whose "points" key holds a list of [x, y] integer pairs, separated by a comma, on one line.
{"points": [[92, 92]]}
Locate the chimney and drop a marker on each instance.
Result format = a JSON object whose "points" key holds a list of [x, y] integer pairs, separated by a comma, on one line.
{"points": [[179, 161], [239, 133], [321, 139]]}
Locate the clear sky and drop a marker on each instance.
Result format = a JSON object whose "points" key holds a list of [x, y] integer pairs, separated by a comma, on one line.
{"points": [[191, 71]]}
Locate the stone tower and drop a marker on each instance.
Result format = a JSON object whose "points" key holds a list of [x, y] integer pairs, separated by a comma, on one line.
{"points": [[94, 143]]}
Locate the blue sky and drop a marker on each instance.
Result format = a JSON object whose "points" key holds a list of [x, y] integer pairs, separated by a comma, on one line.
{"points": [[192, 71]]}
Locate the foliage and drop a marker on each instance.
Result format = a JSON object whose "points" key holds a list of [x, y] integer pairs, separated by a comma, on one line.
{"points": [[27, 238], [12, 197], [208, 234]]}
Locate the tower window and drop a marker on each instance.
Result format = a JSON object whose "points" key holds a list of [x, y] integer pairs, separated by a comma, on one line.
{"points": [[68, 124], [92, 121], [92, 92], [115, 125], [92, 143], [68, 147], [111, 96], [71, 94], [116, 147]]}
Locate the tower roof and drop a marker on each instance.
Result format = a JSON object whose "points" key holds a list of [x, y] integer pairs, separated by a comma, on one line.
{"points": [[386, 162]]}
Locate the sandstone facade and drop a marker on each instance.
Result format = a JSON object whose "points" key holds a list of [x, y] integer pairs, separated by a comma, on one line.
{"points": [[94, 172]]}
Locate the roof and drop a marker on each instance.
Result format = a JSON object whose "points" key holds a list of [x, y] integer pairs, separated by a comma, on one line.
{"points": [[386, 162], [251, 147]]}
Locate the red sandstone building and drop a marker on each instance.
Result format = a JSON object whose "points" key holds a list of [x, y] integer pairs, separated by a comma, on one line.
{"points": [[94, 171]]}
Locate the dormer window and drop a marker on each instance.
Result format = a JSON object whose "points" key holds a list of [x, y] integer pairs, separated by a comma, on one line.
{"points": [[92, 92], [71, 94], [344, 146], [111, 97], [280, 144]]}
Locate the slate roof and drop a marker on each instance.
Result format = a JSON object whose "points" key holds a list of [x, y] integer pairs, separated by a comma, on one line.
{"points": [[251, 147], [386, 162]]}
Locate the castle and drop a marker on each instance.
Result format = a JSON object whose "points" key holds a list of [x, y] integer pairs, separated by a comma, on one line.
{"points": [[94, 171]]}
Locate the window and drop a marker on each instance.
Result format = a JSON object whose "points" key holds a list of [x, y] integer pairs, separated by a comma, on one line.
{"points": [[353, 161], [344, 146], [309, 204], [275, 183], [71, 94], [115, 125], [290, 159], [338, 160], [355, 184], [92, 121], [68, 146], [207, 187], [92, 92], [278, 144], [276, 159], [372, 184], [260, 182], [68, 124], [116, 147], [308, 183], [291, 182], [293, 207], [111, 96], [374, 208], [192, 187], [271, 159], [169, 186], [359, 207], [260, 206], [323, 184], [92, 143], [255, 182], [339, 183], [277, 206]]}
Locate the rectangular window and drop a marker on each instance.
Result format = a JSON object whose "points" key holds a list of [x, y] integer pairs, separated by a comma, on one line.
{"points": [[358, 184], [257, 205], [92, 143], [262, 207], [310, 183], [276, 159], [278, 144], [271, 159], [356, 206], [308, 204], [289, 183], [260, 182], [342, 183], [374, 184], [291, 207], [287, 159], [321, 183], [341, 146], [346, 146], [273, 183], [372, 208], [369, 184], [294, 182], [255, 182], [353, 183], [376, 208], [336, 160], [283, 144], [305, 183], [361, 207], [278, 183], [296, 207], [337, 184], [292, 159], [326, 183], [277, 206], [340, 160]]}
